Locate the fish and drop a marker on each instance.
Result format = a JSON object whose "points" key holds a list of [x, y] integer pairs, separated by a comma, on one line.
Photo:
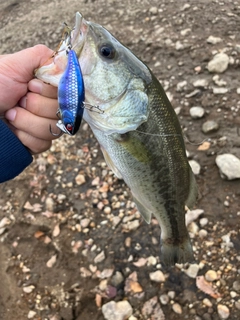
{"points": [[138, 132], [71, 96]]}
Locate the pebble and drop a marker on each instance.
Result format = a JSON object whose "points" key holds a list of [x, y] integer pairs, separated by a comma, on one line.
{"points": [[28, 289], [219, 63], [192, 215], [153, 10], [202, 233], [203, 222], [229, 166], [192, 270], [220, 90], [131, 225], [177, 308], [171, 294], [211, 275], [238, 90], [100, 257], [107, 210], [85, 222], [223, 311], [202, 83], [164, 299], [196, 112], [236, 285], [80, 179], [31, 314], [207, 302], [210, 126], [181, 85], [213, 40], [196, 168], [157, 276], [117, 278], [117, 310]]}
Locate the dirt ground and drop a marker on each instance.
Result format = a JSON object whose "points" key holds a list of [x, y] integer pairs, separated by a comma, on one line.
{"points": [[67, 247]]}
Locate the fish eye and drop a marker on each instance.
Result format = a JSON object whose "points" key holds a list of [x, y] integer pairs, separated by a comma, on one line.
{"points": [[107, 51]]}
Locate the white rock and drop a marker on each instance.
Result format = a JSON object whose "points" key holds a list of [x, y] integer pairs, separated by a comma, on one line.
{"points": [[177, 308], [223, 311], [207, 302], [211, 275], [220, 90], [196, 168], [229, 166], [117, 310], [181, 85], [201, 83], [203, 222], [210, 126], [196, 112], [157, 276], [31, 314], [219, 63], [202, 233], [164, 299], [192, 215], [213, 40], [185, 32], [28, 289], [238, 90], [192, 270], [100, 257]]}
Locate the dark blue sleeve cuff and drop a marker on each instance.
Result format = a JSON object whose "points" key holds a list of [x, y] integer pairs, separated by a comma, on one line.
{"points": [[14, 156]]}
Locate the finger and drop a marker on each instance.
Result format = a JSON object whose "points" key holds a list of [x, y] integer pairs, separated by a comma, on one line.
{"points": [[28, 122], [39, 105], [35, 145], [42, 88]]}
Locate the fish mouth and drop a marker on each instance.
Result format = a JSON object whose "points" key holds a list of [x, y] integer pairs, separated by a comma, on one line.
{"points": [[54, 67]]}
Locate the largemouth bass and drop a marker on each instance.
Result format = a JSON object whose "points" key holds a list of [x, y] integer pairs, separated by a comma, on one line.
{"points": [[138, 131]]}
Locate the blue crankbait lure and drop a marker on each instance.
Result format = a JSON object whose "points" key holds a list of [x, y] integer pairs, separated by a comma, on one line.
{"points": [[71, 95]]}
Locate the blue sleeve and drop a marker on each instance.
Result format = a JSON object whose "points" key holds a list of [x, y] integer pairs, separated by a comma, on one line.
{"points": [[14, 156]]}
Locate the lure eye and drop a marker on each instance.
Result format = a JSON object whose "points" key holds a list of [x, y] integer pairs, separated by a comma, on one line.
{"points": [[69, 127], [107, 51]]}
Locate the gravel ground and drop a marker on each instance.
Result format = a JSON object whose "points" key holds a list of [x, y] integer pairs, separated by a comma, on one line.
{"points": [[73, 245]]}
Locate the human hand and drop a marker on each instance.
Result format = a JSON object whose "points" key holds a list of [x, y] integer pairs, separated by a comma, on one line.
{"points": [[29, 104]]}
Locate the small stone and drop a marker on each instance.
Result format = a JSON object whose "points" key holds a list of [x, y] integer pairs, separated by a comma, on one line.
{"points": [[203, 222], [207, 302], [219, 63], [152, 261], [192, 270], [117, 279], [31, 314], [85, 222], [233, 294], [157, 276], [223, 311], [171, 294], [164, 299], [211, 275], [202, 233], [117, 310], [236, 285], [220, 90], [85, 272], [196, 112], [181, 85], [50, 263], [131, 225], [213, 40], [210, 126], [196, 168], [185, 32], [107, 210], [177, 308], [49, 204], [28, 289], [80, 179], [153, 10], [238, 90], [201, 83], [100, 257], [229, 166]]}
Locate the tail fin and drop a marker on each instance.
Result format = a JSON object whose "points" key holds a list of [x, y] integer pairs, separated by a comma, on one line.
{"points": [[173, 251]]}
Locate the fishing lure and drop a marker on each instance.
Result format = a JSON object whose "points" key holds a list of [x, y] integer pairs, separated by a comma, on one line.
{"points": [[71, 95]]}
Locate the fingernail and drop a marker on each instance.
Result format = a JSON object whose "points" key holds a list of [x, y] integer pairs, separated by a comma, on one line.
{"points": [[35, 85], [23, 102], [10, 114]]}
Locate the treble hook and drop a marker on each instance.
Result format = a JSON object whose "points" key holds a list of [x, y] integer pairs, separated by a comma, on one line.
{"points": [[55, 134]]}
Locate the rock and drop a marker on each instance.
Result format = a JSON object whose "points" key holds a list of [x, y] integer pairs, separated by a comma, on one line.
{"points": [[181, 85], [80, 179], [223, 311], [202, 233], [177, 308], [185, 32], [117, 310], [219, 82], [238, 90], [171, 294], [236, 285], [192, 270], [207, 302], [220, 90], [196, 112], [196, 168], [85, 222], [229, 166], [201, 83], [117, 278], [192, 215], [31, 314], [219, 63], [100, 257], [131, 225], [211, 275], [157, 276], [164, 299], [153, 10], [28, 289], [203, 222], [213, 40], [210, 126]]}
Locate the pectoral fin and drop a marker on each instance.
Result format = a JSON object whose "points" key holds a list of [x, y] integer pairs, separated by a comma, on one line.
{"points": [[110, 163]]}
